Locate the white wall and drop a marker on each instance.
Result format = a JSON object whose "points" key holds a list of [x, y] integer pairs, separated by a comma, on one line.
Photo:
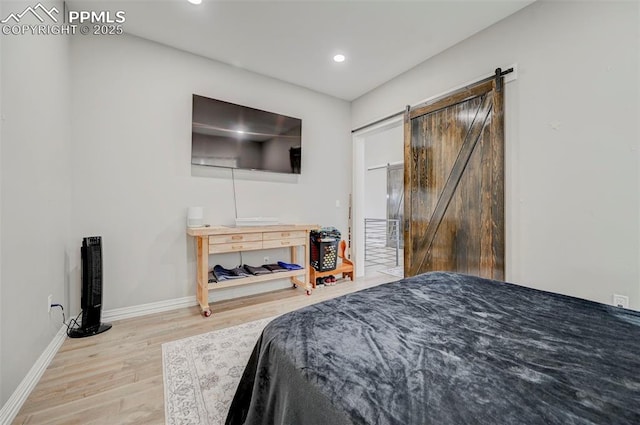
{"points": [[2, 398], [572, 189], [375, 193], [35, 201], [132, 178], [385, 147]]}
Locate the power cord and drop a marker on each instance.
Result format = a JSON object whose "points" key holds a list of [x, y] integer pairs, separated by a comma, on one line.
{"points": [[64, 321], [235, 202], [73, 323], [235, 206]]}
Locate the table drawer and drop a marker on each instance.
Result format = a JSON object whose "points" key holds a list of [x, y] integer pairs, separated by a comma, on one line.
{"points": [[283, 243], [294, 234], [233, 238], [234, 247]]}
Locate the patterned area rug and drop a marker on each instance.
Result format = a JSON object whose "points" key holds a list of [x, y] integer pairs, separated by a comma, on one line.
{"points": [[201, 373], [395, 271]]}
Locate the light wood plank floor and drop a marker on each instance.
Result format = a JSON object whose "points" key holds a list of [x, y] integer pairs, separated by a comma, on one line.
{"points": [[116, 377]]}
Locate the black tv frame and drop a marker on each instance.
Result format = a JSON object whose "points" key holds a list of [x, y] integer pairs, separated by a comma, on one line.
{"points": [[243, 125]]}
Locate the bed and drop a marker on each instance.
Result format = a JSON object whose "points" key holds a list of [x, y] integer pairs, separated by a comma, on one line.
{"points": [[444, 348]]}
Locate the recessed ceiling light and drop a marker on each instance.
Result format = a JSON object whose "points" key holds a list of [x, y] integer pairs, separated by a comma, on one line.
{"points": [[339, 58], [195, 1]]}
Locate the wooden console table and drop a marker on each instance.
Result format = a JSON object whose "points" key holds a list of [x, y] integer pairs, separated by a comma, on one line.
{"points": [[223, 239]]}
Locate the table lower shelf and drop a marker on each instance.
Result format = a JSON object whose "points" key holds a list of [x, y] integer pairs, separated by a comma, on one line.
{"points": [[263, 278]]}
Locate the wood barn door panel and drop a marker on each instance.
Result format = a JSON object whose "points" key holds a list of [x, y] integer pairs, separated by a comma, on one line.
{"points": [[454, 244], [434, 155], [454, 185]]}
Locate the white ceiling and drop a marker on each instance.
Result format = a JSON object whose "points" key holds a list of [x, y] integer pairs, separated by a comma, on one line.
{"points": [[295, 41]]}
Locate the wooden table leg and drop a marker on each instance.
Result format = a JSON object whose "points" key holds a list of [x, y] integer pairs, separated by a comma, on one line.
{"points": [[202, 289], [296, 282], [294, 259], [307, 264]]}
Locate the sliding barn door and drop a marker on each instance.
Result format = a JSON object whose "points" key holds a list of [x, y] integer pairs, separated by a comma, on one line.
{"points": [[454, 183]]}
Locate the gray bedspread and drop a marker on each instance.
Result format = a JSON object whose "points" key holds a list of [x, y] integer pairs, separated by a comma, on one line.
{"points": [[444, 348]]}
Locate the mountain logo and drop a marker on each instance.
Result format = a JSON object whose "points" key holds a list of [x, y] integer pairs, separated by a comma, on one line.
{"points": [[38, 11]]}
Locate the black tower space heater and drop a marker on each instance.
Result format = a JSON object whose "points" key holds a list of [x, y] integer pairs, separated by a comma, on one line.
{"points": [[91, 253]]}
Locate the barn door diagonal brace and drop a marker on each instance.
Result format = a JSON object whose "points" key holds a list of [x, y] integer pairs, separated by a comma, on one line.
{"points": [[468, 146]]}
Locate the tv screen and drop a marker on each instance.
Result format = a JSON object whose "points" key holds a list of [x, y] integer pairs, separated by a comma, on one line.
{"points": [[227, 135]]}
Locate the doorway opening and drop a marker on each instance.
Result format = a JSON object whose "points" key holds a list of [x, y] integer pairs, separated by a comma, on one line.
{"points": [[379, 199]]}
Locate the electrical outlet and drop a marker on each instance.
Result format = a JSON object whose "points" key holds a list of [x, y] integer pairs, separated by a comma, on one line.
{"points": [[49, 300], [266, 260], [620, 301]]}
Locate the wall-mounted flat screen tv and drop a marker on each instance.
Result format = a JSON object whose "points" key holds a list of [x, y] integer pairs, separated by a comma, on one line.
{"points": [[234, 136]]}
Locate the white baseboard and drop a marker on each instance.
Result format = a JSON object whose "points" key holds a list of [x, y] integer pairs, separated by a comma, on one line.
{"points": [[144, 309], [19, 396]]}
